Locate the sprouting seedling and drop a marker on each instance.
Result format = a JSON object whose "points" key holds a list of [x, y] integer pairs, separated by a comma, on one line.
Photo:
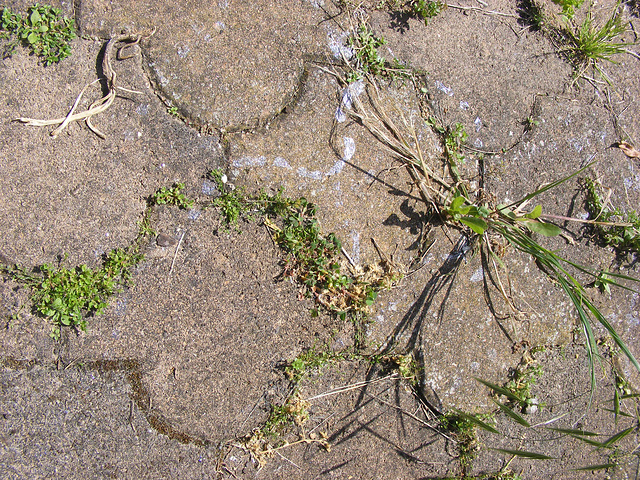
{"points": [[173, 196]]}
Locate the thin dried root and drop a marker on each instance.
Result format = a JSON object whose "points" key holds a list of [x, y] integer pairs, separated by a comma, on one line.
{"points": [[100, 105]]}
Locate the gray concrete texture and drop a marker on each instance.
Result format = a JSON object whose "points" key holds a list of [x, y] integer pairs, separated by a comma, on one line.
{"points": [[187, 362]]}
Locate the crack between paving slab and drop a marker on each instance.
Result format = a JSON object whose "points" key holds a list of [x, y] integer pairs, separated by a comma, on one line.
{"points": [[251, 124], [77, 10], [132, 371]]}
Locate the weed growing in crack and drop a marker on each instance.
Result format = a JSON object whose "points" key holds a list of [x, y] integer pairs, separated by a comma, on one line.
{"points": [[617, 229], [311, 257], [232, 202], [173, 196], [521, 381], [145, 228], [463, 428], [584, 45], [449, 199], [66, 296], [263, 442], [309, 360], [404, 364], [530, 123], [590, 44], [43, 30], [294, 410], [426, 9], [569, 7], [515, 392], [368, 60], [365, 45], [453, 138]]}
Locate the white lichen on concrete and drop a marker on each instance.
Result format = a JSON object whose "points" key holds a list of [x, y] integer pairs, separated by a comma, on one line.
{"points": [[250, 162]]}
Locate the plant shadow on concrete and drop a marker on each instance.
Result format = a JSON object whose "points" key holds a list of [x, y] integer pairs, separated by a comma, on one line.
{"points": [[487, 226], [493, 229], [481, 226]]}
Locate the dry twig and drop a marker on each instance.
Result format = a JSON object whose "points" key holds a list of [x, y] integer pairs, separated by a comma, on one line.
{"points": [[103, 103]]}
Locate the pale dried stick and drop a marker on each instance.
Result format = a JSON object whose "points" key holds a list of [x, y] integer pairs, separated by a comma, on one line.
{"points": [[383, 128], [173, 262], [98, 106]]}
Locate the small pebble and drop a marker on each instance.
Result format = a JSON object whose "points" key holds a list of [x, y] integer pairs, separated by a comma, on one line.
{"points": [[165, 240]]}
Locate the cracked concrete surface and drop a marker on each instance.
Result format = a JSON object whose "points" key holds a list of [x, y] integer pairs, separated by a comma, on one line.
{"points": [[189, 360]]}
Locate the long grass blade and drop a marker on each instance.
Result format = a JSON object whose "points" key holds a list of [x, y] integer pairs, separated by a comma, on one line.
{"points": [[592, 348], [499, 390], [592, 468], [630, 395], [588, 441], [552, 185], [476, 421], [603, 321], [608, 443], [550, 421], [524, 454], [621, 413], [617, 437], [511, 414], [572, 431]]}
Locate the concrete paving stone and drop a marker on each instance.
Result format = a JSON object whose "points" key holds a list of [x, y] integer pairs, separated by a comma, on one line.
{"points": [[83, 422], [225, 64], [211, 336], [78, 194], [484, 71]]}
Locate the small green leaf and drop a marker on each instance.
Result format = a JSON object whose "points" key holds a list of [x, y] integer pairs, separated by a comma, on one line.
{"points": [[535, 213], [35, 17], [456, 203], [33, 37], [476, 224], [545, 229], [523, 454], [506, 211], [484, 211]]}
